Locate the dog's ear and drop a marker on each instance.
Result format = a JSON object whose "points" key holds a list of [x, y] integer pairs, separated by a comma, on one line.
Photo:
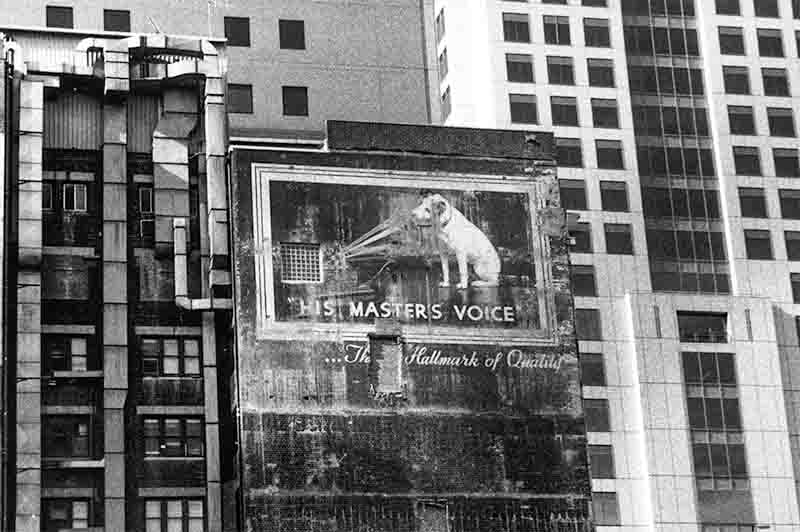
{"points": [[439, 205]]}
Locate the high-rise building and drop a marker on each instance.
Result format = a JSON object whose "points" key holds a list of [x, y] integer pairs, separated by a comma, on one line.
{"points": [[676, 146]]}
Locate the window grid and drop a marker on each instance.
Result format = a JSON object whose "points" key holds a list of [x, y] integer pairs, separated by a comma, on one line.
{"points": [[301, 262]]}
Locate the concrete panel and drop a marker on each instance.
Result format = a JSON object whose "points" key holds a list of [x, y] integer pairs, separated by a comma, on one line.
{"points": [[210, 390], [29, 441], [115, 474], [115, 324], [115, 242], [214, 507], [31, 120], [171, 175], [31, 94], [170, 150], [115, 514], [115, 367], [216, 135], [114, 399], [216, 183], [114, 430], [29, 408], [115, 130], [115, 206], [30, 148], [29, 317], [30, 204], [180, 101], [212, 453], [115, 286], [29, 347], [115, 161]]}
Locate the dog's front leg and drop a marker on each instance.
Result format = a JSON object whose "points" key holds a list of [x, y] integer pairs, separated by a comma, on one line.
{"points": [[445, 270], [463, 273]]}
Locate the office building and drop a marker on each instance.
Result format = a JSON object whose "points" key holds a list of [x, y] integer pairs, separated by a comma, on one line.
{"points": [[676, 146]]}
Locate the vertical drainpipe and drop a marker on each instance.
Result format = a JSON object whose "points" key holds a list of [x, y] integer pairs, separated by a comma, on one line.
{"points": [[115, 282], [28, 366], [4, 131]]}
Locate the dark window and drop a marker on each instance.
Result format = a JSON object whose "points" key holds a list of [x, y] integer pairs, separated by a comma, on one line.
{"points": [[519, 68], [619, 240], [609, 154], [587, 324], [295, 101], [569, 153], [614, 196], [776, 82], [605, 509], [728, 7], [604, 113], [66, 353], [752, 202], [560, 71], [74, 197], [581, 234], [601, 461], [237, 31], [523, 108], [790, 203], [440, 28], [703, 327], [593, 370], [737, 79], [746, 160], [741, 120], [240, 98], [67, 436], [781, 121], [170, 356], [792, 244], [594, 3], [443, 66], [59, 17], [174, 515], [292, 34], [795, 280], [786, 162], [63, 514], [116, 20], [596, 32], [601, 72], [564, 111], [595, 412], [731, 40], [583, 281], [573, 194], [47, 195], [168, 436], [758, 244], [796, 9], [556, 30], [770, 43], [446, 103], [766, 8], [516, 27]]}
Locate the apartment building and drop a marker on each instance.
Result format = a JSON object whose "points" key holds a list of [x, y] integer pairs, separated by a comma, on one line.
{"points": [[292, 64], [676, 146]]}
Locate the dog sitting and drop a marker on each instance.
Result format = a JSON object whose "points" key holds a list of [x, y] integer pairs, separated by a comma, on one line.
{"points": [[469, 244]]}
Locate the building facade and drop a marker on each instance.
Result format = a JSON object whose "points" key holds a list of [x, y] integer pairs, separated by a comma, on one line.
{"points": [[675, 140], [116, 281], [406, 357]]}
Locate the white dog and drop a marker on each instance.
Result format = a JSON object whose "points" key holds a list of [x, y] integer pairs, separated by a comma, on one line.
{"points": [[469, 244]]}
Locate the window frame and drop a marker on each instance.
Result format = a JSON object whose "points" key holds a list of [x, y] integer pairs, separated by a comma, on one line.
{"points": [[233, 33], [292, 34]]}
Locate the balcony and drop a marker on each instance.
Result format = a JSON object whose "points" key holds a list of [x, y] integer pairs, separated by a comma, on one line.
{"points": [[182, 391]]}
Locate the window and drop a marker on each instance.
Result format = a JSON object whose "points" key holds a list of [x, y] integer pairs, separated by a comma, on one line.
{"points": [[790, 203], [583, 281], [60, 514], [594, 3], [795, 280], [523, 108], [770, 43], [237, 31], [609, 154], [776, 82], [601, 461], [292, 34], [596, 32], [766, 8], [786, 162], [146, 199], [703, 327], [516, 27], [240, 98], [587, 324], [731, 40], [564, 111], [560, 71], [47, 195], [758, 244], [66, 436], [295, 101], [116, 20], [569, 153], [781, 121], [741, 120], [619, 240], [65, 353], [595, 412], [443, 66], [752, 202], [75, 197], [440, 28], [447, 104], [167, 436], [746, 160], [593, 370], [728, 7], [170, 357], [519, 68], [581, 235], [556, 30], [736, 79], [601, 72], [59, 17], [573, 194], [605, 509], [604, 113], [614, 196], [731, 527], [301, 262], [792, 239], [174, 515]]}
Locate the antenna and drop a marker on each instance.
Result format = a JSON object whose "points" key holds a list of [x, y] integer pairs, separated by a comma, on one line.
{"points": [[152, 23]]}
